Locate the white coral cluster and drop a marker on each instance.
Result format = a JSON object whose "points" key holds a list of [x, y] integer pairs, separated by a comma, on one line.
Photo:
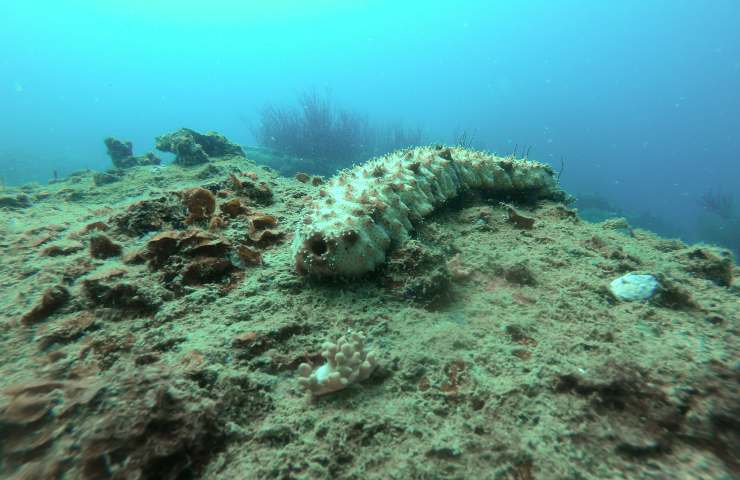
{"points": [[347, 362], [363, 211]]}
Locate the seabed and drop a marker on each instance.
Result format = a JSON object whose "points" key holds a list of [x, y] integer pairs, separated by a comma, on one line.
{"points": [[151, 330]]}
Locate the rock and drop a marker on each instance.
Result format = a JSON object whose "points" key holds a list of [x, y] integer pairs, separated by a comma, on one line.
{"points": [[121, 296], [118, 151], [105, 178], [51, 301], [672, 294], [418, 272], [62, 249], [103, 247], [15, 201], [193, 148], [713, 264], [151, 215], [148, 158], [517, 219], [122, 155], [68, 330], [634, 287], [520, 274], [259, 192]]}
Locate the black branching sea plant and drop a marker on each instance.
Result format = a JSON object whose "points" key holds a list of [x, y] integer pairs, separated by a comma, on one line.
{"points": [[718, 203], [337, 137]]}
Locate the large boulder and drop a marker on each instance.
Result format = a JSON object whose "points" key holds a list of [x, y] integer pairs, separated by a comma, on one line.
{"points": [[193, 148]]}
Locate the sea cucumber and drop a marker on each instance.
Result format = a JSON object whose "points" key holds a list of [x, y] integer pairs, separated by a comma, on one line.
{"points": [[363, 211]]}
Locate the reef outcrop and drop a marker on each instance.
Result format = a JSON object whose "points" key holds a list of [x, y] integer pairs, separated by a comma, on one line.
{"points": [[193, 148], [363, 211], [122, 155]]}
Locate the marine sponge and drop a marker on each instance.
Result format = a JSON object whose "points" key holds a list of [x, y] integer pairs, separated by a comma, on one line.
{"points": [[347, 362], [362, 212]]}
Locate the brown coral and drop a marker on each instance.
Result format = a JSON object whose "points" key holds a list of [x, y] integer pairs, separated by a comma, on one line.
{"points": [[217, 223], [233, 208], [29, 429], [147, 425], [194, 257], [266, 238], [249, 256], [262, 221], [206, 270], [302, 177], [201, 204], [517, 219], [162, 246]]}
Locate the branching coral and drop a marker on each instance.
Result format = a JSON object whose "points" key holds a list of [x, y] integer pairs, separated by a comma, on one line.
{"points": [[347, 362]]}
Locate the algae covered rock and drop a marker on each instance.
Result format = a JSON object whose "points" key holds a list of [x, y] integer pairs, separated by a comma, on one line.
{"points": [[193, 148], [710, 263], [122, 155], [15, 201], [107, 177], [419, 272]]}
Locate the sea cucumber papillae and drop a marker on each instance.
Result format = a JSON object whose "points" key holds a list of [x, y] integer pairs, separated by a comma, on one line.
{"points": [[361, 212]]}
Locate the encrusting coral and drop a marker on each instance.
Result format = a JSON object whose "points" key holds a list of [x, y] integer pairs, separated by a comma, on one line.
{"points": [[363, 211], [347, 362]]}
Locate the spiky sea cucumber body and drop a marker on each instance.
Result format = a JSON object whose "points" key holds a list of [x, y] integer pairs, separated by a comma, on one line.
{"points": [[363, 211]]}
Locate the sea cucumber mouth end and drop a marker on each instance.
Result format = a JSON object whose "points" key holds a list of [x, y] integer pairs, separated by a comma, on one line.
{"points": [[311, 257]]}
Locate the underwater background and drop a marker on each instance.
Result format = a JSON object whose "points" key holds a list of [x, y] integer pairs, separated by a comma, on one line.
{"points": [[640, 98]]}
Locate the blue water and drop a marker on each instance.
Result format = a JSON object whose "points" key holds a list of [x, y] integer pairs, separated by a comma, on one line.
{"points": [[641, 98]]}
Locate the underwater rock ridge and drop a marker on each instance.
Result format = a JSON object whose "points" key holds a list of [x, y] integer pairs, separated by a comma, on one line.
{"points": [[193, 148], [362, 211]]}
